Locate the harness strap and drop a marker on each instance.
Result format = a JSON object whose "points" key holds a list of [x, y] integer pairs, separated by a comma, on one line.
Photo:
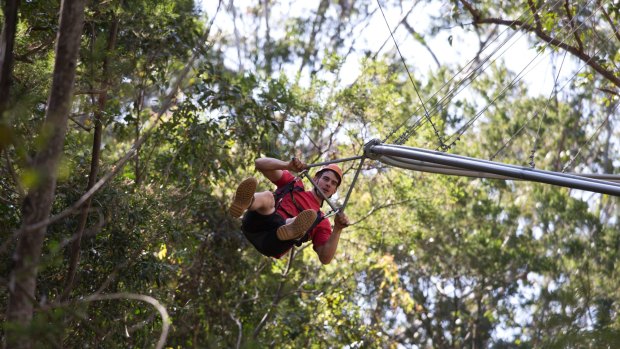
{"points": [[289, 188]]}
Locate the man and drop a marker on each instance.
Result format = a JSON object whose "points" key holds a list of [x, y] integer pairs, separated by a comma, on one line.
{"points": [[273, 227]]}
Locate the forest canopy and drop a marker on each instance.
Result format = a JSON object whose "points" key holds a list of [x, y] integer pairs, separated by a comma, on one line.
{"points": [[125, 127]]}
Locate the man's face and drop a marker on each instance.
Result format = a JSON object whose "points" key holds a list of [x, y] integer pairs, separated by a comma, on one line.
{"points": [[328, 182]]}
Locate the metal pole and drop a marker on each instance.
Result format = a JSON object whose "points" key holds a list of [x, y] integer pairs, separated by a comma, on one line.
{"points": [[423, 166], [524, 173], [359, 169], [335, 161], [515, 167]]}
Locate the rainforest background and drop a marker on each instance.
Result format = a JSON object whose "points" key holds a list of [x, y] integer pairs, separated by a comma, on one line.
{"points": [[125, 126]]}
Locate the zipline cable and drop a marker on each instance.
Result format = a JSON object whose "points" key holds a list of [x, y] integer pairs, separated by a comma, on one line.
{"points": [[408, 132], [466, 165], [465, 127], [439, 138], [553, 93], [430, 167], [532, 153], [459, 86], [570, 162]]}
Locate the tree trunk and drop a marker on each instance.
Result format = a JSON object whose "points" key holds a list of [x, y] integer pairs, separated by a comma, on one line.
{"points": [[7, 41], [139, 101], [310, 49], [37, 205], [94, 163]]}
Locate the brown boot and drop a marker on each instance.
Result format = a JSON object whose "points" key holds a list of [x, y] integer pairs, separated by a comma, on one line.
{"points": [[243, 197], [298, 227]]}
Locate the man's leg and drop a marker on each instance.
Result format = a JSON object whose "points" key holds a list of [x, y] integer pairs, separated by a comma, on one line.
{"points": [[297, 227], [243, 197], [264, 203], [246, 198]]}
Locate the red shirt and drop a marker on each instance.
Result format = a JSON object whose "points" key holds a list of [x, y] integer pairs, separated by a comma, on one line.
{"points": [[306, 200]]}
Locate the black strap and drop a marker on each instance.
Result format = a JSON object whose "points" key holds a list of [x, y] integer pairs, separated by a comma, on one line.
{"points": [[280, 192], [289, 188]]}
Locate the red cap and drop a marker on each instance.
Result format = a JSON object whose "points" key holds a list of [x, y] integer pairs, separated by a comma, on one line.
{"points": [[334, 168]]}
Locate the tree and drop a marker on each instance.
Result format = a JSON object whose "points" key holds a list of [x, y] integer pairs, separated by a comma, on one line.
{"points": [[38, 203], [430, 260], [7, 42]]}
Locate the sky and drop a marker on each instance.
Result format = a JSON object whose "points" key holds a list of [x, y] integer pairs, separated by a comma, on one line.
{"points": [[516, 53]]}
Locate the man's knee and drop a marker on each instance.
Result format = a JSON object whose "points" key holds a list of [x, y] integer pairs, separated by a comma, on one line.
{"points": [[266, 202]]}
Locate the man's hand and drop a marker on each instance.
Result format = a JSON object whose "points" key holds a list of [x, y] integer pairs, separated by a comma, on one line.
{"points": [[341, 221], [327, 251], [296, 165]]}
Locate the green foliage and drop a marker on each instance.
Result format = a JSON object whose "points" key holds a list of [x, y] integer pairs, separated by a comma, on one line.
{"points": [[430, 262]]}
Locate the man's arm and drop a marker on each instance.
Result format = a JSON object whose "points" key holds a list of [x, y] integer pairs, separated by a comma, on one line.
{"points": [[272, 168], [327, 251]]}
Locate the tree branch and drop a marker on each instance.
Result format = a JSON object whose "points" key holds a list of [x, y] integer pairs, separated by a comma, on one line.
{"points": [[535, 14], [572, 24], [278, 296], [81, 125], [575, 51], [120, 164], [240, 327], [152, 301], [90, 92], [7, 42], [34, 50], [421, 41], [38, 202], [611, 23], [9, 164], [374, 209]]}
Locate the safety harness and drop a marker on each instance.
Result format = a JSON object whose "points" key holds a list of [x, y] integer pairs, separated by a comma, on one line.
{"points": [[289, 188]]}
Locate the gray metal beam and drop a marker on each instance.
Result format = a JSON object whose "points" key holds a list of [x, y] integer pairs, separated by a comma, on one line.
{"points": [[375, 150], [430, 167]]}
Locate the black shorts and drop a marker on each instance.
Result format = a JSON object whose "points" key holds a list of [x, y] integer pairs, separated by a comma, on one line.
{"points": [[260, 230]]}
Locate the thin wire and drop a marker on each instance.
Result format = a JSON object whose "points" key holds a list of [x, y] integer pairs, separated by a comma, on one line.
{"points": [[511, 137], [465, 127], [570, 162], [439, 138], [418, 123], [513, 82], [406, 134], [506, 143], [469, 78], [553, 92], [572, 78], [469, 123]]}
